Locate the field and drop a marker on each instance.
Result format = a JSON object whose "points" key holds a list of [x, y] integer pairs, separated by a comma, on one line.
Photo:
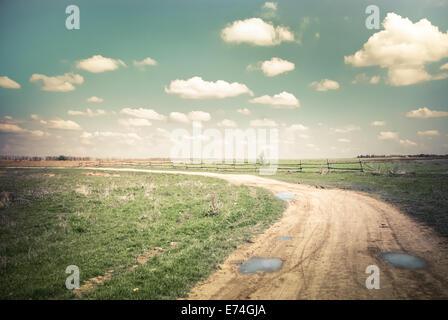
{"points": [[132, 236], [155, 235]]}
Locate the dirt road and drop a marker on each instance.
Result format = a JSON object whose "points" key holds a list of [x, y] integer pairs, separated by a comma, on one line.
{"points": [[335, 234]]}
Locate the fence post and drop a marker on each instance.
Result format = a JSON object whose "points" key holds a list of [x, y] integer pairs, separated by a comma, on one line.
{"points": [[300, 166], [328, 166], [360, 164]]}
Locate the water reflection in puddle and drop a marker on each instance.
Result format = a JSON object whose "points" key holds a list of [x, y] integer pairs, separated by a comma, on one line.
{"points": [[403, 260], [285, 196], [260, 264]]}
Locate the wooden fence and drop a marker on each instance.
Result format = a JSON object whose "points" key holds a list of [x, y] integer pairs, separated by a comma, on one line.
{"points": [[297, 167]]}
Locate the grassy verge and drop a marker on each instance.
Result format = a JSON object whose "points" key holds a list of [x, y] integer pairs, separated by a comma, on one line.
{"points": [[56, 218], [418, 187]]}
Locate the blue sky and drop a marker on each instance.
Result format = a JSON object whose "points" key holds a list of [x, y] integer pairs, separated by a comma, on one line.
{"points": [[388, 101]]}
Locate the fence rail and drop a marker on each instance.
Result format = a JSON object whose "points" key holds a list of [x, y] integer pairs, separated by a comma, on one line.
{"points": [[299, 167]]}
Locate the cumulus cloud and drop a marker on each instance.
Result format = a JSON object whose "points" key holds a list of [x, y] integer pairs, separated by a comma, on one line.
{"points": [[98, 63], [62, 83], [257, 32], [7, 83], [15, 129], [273, 67], [179, 117], [263, 123], [226, 123], [425, 113], [407, 143], [378, 123], [199, 116], [388, 135], [429, 133], [343, 140], [61, 124], [403, 47], [10, 128], [149, 114], [325, 85], [129, 138], [244, 111], [131, 122], [270, 5], [10, 120], [87, 113], [347, 129], [362, 78], [444, 67], [283, 100], [297, 127], [145, 62], [196, 88], [95, 99]]}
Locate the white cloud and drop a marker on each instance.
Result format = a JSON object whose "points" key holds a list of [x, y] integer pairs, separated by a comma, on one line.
{"points": [[61, 124], [273, 67], [95, 99], [7, 83], [403, 48], [378, 123], [10, 120], [226, 123], [98, 63], [347, 129], [199, 116], [283, 100], [34, 117], [270, 5], [11, 128], [362, 77], [375, 79], [62, 83], [429, 133], [244, 111], [344, 140], [143, 113], [297, 127], [145, 62], [127, 138], [388, 135], [407, 142], [131, 122], [257, 32], [263, 123], [179, 117], [87, 113], [325, 85], [196, 88], [426, 113], [444, 67]]}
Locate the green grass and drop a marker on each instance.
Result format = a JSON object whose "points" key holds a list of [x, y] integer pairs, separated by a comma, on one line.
{"points": [[100, 223], [418, 187]]}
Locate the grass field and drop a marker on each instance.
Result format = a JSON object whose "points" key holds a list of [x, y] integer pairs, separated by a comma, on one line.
{"points": [[418, 187], [141, 236]]}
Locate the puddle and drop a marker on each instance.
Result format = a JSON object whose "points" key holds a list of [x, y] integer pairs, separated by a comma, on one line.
{"points": [[285, 196], [284, 238], [260, 264], [403, 260]]}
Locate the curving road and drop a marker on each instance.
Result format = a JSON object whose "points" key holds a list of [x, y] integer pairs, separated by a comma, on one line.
{"points": [[335, 234]]}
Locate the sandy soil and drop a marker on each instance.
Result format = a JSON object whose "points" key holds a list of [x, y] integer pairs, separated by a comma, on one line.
{"points": [[335, 234]]}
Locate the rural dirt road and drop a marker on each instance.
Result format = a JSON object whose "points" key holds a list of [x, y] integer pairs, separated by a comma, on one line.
{"points": [[335, 234]]}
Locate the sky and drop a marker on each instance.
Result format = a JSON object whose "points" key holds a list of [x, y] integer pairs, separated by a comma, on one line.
{"points": [[137, 71]]}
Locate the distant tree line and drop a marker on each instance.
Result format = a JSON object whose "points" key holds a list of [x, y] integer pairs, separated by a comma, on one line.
{"points": [[421, 155], [47, 158]]}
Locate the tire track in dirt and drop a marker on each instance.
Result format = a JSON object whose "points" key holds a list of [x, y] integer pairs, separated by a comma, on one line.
{"points": [[335, 234]]}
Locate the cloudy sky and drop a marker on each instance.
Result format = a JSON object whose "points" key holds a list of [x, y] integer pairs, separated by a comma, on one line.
{"points": [[137, 70]]}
